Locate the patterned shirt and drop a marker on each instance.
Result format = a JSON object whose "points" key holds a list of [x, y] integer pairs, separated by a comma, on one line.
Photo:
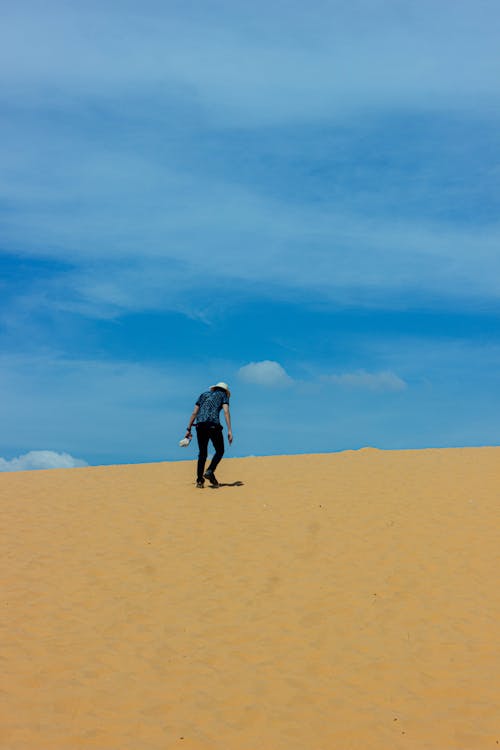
{"points": [[210, 404]]}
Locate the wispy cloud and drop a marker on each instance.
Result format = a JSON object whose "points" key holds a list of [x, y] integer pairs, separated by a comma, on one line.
{"points": [[152, 166], [341, 256], [266, 373], [300, 64], [41, 460], [372, 381]]}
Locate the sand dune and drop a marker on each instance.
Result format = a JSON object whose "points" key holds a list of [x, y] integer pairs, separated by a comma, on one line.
{"points": [[331, 602]]}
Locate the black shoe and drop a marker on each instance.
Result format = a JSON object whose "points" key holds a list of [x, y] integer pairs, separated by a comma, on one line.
{"points": [[211, 478], [200, 484]]}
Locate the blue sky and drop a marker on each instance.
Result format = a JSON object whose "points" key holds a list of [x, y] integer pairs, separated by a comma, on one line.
{"points": [[302, 201]]}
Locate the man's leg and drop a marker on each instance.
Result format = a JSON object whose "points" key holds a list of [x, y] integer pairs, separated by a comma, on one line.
{"points": [[218, 442], [202, 436]]}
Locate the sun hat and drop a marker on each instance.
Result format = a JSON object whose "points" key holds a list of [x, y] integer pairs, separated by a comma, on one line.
{"points": [[224, 387]]}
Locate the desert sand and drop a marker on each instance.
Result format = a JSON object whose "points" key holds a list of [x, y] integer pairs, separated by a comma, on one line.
{"points": [[339, 601]]}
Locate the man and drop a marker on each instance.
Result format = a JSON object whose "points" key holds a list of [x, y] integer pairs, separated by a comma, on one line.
{"points": [[208, 427]]}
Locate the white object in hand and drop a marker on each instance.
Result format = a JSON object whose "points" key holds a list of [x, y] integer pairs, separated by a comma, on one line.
{"points": [[184, 442]]}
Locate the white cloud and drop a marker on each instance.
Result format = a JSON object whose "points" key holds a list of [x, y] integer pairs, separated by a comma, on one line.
{"points": [[379, 381], [41, 460], [267, 373]]}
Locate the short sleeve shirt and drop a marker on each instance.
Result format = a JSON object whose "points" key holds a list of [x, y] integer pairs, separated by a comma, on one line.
{"points": [[210, 403]]}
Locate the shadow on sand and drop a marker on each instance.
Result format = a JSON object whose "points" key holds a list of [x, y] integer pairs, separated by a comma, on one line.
{"points": [[227, 484], [224, 484]]}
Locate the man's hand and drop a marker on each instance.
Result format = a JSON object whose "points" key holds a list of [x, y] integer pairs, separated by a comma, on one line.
{"points": [[192, 421], [230, 436]]}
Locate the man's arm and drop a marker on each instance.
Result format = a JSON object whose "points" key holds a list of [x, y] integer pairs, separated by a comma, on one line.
{"points": [[228, 422], [191, 420]]}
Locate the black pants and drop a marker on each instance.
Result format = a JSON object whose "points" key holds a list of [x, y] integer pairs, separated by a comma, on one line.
{"points": [[206, 431]]}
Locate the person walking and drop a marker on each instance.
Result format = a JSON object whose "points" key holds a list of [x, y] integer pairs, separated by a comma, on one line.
{"points": [[208, 428]]}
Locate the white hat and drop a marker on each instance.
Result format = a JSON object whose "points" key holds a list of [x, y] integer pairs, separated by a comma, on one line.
{"points": [[224, 387]]}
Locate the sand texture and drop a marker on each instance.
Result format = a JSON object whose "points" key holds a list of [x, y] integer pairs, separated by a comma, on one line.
{"points": [[331, 602]]}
